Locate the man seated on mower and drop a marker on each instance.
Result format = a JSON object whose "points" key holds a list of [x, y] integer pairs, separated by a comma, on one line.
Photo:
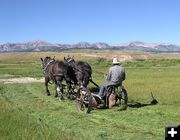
{"points": [[115, 76]]}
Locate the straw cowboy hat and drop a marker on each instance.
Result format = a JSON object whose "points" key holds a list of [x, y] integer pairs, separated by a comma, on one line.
{"points": [[115, 60]]}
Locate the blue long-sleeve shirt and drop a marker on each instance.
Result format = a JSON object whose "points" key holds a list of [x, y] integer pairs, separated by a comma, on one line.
{"points": [[116, 74]]}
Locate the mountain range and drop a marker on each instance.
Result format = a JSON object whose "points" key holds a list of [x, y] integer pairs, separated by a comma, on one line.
{"points": [[39, 45]]}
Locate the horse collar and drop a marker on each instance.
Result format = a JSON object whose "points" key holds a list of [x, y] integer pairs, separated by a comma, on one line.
{"points": [[47, 65], [70, 60]]}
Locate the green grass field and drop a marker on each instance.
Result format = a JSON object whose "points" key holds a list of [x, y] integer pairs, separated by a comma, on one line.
{"points": [[27, 113]]}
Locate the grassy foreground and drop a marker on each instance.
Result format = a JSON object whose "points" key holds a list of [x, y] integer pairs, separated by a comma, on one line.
{"points": [[26, 113]]}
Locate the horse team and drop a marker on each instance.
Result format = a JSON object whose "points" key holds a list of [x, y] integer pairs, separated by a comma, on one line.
{"points": [[75, 73]]}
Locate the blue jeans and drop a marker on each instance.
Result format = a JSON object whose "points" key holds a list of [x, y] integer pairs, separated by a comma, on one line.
{"points": [[101, 91], [103, 87]]}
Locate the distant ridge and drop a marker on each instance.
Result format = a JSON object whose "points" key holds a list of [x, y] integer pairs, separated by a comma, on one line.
{"points": [[39, 45]]}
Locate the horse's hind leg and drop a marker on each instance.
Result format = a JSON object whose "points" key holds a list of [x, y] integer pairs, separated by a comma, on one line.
{"points": [[68, 84], [46, 85], [60, 90], [56, 93], [68, 89]]}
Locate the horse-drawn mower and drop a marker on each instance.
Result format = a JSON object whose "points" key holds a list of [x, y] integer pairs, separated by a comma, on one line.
{"points": [[113, 95]]}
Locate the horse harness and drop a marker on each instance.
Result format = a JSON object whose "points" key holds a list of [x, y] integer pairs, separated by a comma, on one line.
{"points": [[45, 72], [46, 66], [75, 68]]}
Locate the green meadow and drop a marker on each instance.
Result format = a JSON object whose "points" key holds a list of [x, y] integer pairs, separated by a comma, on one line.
{"points": [[27, 113]]}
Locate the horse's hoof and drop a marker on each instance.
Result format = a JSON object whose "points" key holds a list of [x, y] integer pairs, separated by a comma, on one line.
{"points": [[61, 98], [48, 94], [68, 96], [72, 97]]}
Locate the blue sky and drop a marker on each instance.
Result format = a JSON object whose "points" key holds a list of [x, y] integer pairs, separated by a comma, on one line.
{"points": [[73, 21]]}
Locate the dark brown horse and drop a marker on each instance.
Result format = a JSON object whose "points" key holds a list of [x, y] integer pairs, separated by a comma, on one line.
{"points": [[81, 70], [55, 71]]}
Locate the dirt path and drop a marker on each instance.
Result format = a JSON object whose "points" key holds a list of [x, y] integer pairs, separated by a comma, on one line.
{"points": [[22, 80]]}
